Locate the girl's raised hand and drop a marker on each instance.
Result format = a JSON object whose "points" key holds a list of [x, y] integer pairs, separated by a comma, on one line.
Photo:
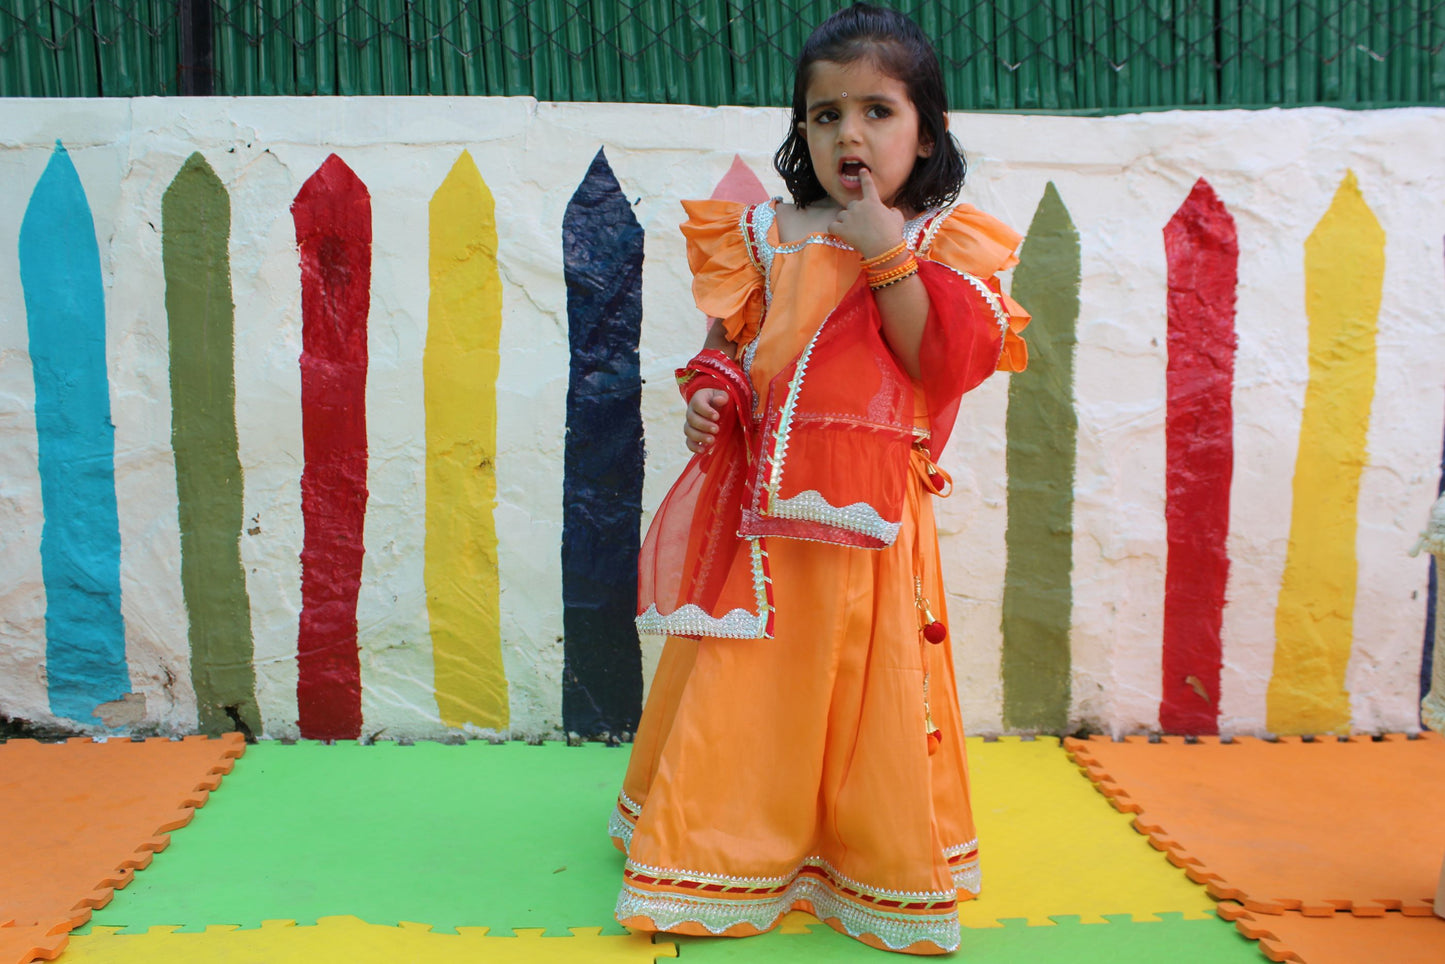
{"points": [[704, 410], [868, 224]]}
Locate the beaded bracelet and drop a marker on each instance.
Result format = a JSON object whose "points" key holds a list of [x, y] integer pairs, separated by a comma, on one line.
{"points": [[888, 255], [894, 275], [886, 284], [900, 273]]}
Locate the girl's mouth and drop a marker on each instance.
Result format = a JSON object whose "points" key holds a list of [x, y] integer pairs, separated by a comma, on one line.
{"points": [[848, 173]]}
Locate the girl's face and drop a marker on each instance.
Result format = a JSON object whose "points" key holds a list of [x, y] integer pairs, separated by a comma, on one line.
{"points": [[856, 116]]}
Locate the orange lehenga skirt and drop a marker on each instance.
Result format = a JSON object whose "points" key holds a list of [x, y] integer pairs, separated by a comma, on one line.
{"points": [[794, 773]]}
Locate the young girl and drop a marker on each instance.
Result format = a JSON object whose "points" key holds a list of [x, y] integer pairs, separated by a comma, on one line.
{"points": [[801, 746]]}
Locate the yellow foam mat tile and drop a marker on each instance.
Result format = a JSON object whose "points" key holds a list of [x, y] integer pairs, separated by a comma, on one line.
{"points": [[1050, 845], [357, 942]]}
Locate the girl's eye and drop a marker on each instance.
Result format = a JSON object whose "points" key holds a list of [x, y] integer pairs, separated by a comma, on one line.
{"points": [[825, 117], [878, 112]]}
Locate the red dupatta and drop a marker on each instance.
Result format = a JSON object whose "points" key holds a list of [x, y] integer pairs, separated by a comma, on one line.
{"points": [[695, 576]]}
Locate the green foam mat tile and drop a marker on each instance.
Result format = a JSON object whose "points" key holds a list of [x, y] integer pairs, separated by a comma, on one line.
{"points": [[1118, 941], [504, 836]]}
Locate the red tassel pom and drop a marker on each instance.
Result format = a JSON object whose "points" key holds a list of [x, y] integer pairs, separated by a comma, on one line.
{"points": [[935, 740], [935, 631]]}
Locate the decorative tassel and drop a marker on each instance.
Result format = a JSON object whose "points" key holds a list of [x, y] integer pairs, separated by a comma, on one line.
{"points": [[939, 482], [933, 630]]}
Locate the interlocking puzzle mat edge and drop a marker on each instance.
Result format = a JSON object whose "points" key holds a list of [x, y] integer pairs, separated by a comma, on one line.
{"points": [[1341, 938], [47, 934], [21, 943], [1038, 864], [1115, 939], [349, 938], [1217, 885]]}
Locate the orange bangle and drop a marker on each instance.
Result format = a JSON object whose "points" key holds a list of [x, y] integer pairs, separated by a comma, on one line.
{"points": [[893, 277], [889, 284], [888, 255], [890, 277], [902, 270]]}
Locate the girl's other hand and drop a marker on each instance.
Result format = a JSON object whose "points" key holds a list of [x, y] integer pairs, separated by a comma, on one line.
{"points": [[704, 411], [868, 224]]}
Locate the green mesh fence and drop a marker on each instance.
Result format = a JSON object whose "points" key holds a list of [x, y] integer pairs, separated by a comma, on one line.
{"points": [[1004, 55]]}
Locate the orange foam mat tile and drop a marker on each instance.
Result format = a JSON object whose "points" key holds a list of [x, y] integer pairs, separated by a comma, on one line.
{"points": [[1314, 826], [29, 942], [1342, 938], [81, 816]]}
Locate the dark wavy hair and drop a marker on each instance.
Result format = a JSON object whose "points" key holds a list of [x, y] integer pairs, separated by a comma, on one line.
{"points": [[899, 48]]}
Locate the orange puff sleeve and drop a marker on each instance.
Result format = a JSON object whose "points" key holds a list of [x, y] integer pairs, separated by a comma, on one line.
{"points": [[726, 283], [981, 245]]}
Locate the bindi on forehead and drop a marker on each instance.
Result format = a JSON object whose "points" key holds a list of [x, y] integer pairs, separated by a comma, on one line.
{"points": [[830, 83], [879, 98]]}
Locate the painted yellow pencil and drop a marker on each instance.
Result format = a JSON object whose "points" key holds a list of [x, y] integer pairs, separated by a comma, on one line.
{"points": [[464, 323], [1314, 619]]}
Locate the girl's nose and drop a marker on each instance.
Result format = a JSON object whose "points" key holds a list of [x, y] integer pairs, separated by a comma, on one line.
{"points": [[848, 128]]}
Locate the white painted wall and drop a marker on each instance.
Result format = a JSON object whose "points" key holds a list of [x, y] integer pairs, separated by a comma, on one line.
{"points": [[1121, 179]]}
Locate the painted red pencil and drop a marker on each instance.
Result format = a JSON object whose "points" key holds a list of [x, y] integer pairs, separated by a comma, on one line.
{"points": [[333, 232]]}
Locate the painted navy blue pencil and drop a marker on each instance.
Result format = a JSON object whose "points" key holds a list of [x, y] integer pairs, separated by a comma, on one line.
{"points": [[602, 485]]}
